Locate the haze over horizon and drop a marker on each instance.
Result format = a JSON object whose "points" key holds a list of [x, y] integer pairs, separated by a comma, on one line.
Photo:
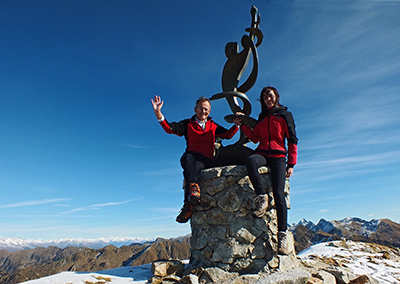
{"points": [[83, 156]]}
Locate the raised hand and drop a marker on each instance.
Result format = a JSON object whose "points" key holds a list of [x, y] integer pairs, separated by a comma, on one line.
{"points": [[157, 105]]}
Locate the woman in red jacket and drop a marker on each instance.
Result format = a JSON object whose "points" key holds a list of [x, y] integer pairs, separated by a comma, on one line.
{"points": [[275, 126]]}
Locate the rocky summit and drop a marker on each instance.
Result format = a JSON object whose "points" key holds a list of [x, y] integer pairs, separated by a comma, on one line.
{"points": [[344, 262], [225, 233], [229, 245]]}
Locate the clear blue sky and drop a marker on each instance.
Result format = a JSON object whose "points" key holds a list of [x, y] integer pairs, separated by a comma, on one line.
{"points": [[83, 156]]}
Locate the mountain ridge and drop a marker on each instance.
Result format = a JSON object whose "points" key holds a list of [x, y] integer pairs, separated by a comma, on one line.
{"points": [[16, 244], [24, 265], [348, 227], [27, 264], [380, 231]]}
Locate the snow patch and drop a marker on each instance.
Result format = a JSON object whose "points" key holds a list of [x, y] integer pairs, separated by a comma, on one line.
{"points": [[362, 258]]}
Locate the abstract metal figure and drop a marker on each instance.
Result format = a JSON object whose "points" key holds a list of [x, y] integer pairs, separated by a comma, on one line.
{"points": [[234, 69], [237, 62]]}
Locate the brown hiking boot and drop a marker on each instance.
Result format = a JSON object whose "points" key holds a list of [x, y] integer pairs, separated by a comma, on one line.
{"points": [[283, 246], [261, 204], [194, 193], [186, 213]]}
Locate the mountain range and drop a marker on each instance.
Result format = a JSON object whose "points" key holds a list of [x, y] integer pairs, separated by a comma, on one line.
{"points": [[16, 244], [380, 231], [26, 264]]}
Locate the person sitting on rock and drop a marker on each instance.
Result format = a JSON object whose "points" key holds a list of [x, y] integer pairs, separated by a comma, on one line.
{"points": [[200, 132], [275, 125]]}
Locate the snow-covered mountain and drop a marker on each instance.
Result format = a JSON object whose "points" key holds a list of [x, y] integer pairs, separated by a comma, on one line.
{"points": [[306, 233], [347, 226], [364, 228], [343, 228], [382, 231], [16, 244], [359, 259], [18, 266]]}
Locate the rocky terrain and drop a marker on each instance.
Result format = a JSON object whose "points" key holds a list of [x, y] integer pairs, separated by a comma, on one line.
{"points": [[384, 232], [30, 264], [344, 262], [23, 265]]}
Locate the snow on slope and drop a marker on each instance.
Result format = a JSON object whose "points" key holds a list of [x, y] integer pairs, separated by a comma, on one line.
{"points": [[362, 258], [132, 275]]}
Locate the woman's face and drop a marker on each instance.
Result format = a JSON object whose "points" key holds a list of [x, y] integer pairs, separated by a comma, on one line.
{"points": [[269, 98]]}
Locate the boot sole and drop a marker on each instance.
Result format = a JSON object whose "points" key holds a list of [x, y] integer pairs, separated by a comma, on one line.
{"points": [[194, 200]]}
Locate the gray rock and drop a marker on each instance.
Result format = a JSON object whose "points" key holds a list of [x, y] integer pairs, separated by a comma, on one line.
{"points": [[293, 276], [225, 234], [244, 279], [326, 277], [164, 268], [341, 274], [216, 275], [189, 279]]}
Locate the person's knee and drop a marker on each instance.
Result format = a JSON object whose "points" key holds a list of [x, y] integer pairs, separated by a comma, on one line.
{"points": [[251, 162], [187, 157]]}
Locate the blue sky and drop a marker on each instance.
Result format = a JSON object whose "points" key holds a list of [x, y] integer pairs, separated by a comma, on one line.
{"points": [[82, 155]]}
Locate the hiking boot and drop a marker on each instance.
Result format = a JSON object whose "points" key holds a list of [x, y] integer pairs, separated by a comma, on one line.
{"points": [[186, 213], [194, 193], [261, 204], [283, 247]]}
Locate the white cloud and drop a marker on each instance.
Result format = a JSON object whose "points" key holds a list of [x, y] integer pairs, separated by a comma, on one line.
{"points": [[96, 206], [134, 146], [110, 204], [34, 202]]}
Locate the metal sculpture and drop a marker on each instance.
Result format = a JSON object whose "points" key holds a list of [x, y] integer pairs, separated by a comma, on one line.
{"points": [[234, 69]]}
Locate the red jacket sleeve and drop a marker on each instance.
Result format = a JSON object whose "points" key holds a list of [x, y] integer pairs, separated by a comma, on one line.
{"points": [[250, 134], [292, 154], [227, 134], [166, 127], [177, 128]]}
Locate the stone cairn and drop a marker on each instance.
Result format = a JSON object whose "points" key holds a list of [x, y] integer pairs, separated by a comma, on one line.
{"points": [[230, 246], [226, 235]]}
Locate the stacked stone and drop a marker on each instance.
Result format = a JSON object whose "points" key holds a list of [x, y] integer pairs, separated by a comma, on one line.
{"points": [[225, 234]]}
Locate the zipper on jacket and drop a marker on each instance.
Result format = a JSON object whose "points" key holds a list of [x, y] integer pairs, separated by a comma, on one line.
{"points": [[269, 134]]}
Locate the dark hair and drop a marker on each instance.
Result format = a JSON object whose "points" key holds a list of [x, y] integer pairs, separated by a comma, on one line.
{"points": [[201, 100], [265, 89]]}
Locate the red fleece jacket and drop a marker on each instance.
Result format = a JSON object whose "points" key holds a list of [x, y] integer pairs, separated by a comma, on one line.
{"points": [[199, 140]]}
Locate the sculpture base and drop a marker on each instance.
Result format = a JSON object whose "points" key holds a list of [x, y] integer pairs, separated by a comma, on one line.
{"points": [[225, 234]]}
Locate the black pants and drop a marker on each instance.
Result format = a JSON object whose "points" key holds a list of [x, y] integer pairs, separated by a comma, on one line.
{"points": [[278, 176], [192, 164]]}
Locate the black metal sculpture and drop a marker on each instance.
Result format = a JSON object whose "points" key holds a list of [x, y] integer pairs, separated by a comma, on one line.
{"points": [[232, 92], [235, 67]]}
